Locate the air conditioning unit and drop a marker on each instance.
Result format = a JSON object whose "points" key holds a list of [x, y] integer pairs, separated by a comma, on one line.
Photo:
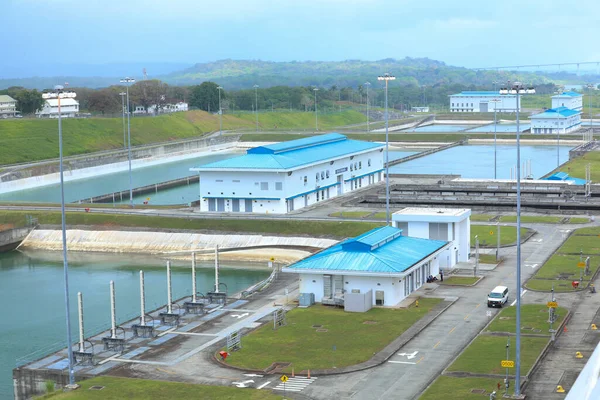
{"points": [[306, 299]]}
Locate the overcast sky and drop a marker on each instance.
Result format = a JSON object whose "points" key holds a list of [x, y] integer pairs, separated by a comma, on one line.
{"points": [[471, 33]]}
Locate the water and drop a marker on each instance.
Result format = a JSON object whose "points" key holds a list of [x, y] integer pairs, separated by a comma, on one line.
{"points": [[396, 155], [501, 128], [478, 161], [439, 128], [32, 297], [118, 181]]}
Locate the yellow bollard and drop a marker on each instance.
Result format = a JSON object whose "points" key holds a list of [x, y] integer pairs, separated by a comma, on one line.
{"points": [[594, 327], [417, 303], [560, 389], [578, 355]]}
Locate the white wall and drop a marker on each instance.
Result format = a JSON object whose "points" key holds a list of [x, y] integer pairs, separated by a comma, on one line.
{"points": [[574, 103], [308, 286], [551, 125], [467, 103]]}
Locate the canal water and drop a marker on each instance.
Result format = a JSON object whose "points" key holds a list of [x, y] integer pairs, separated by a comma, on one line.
{"points": [[32, 296], [478, 161]]}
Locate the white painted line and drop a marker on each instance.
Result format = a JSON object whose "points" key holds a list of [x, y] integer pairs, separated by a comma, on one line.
{"points": [[401, 362], [287, 389], [534, 265], [264, 384], [167, 331], [522, 294], [513, 303], [195, 334]]}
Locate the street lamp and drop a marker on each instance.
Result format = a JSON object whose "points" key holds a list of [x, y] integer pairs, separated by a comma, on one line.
{"points": [[127, 81], [590, 87], [256, 108], [386, 77], [316, 110], [220, 112], [367, 84], [60, 93], [122, 94], [518, 89], [495, 101]]}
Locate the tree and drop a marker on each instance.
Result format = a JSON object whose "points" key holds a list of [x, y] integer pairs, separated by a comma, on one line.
{"points": [[28, 101], [205, 96], [104, 101], [149, 93]]}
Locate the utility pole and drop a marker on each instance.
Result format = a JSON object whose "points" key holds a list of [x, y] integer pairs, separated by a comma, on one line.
{"points": [[367, 84], [476, 255], [256, 108], [387, 77]]}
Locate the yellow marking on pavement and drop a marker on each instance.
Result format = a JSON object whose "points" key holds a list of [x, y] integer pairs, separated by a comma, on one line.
{"points": [[164, 370], [466, 316], [436, 345], [477, 306], [420, 359], [452, 330]]}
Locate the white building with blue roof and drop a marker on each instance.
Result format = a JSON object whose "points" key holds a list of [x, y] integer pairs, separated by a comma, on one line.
{"points": [[381, 260], [571, 100], [556, 120], [483, 101], [287, 176]]}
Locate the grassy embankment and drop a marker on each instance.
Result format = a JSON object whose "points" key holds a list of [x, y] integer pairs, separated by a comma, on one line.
{"points": [[339, 229], [484, 354], [532, 219], [323, 337], [487, 235], [576, 167], [31, 140], [562, 268], [126, 388]]}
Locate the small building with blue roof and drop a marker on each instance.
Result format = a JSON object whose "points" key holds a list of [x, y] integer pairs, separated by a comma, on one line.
{"points": [[483, 101], [556, 120], [564, 177], [382, 261], [283, 177], [571, 100]]}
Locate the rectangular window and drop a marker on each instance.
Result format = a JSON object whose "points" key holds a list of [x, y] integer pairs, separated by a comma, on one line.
{"points": [[404, 227], [264, 186], [305, 180], [327, 173], [219, 180], [278, 185], [438, 231], [236, 181], [369, 162], [360, 165]]}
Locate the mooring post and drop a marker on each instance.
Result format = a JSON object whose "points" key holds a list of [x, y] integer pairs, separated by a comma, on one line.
{"points": [[217, 269], [169, 296], [113, 317], [80, 309], [193, 277], [142, 300]]}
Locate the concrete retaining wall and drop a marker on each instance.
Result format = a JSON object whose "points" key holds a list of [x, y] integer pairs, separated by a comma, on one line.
{"points": [[11, 238], [28, 383], [159, 242]]}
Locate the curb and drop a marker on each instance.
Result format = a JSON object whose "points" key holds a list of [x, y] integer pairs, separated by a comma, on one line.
{"points": [[458, 284]]}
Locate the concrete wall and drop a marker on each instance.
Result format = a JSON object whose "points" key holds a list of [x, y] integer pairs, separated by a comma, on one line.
{"points": [[11, 238], [28, 382], [572, 102]]}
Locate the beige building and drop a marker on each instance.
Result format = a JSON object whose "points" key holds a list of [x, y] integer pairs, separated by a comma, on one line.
{"points": [[8, 106]]}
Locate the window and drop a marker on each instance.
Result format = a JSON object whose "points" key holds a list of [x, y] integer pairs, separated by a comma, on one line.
{"points": [[356, 166], [305, 180], [452, 104], [351, 167], [403, 226], [219, 180], [327, 173], [317, 177], [438, 231], [236, 181], [278, 185], [369, 162], [323, 175], [264, 186], [360, 165]]}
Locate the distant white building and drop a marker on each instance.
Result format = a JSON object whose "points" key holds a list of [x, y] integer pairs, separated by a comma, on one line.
{"points": [[8, 106], [139, 110], [420, 109], [68, 108], [556, 120], [287, 176], [482, 101], [571, 100], [447, 224], [169, 108]]}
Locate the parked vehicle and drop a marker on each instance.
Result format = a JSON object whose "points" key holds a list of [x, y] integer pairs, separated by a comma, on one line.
{"points": [[498, 297]]}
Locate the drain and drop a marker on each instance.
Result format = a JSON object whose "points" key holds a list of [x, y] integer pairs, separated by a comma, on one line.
{"points": [[96, 387]]}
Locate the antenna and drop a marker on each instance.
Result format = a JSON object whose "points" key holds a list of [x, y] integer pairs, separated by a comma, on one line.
{"points": [[145, 74]]}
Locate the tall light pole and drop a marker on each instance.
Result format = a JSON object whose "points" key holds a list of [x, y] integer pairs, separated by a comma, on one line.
{"points": [[256, 108], [60, 93], [220, 112], [495, 101], [387, 77], [590, 87], [316, 110], [128, 81], [517, 89], [122, 94], [367, 84]]}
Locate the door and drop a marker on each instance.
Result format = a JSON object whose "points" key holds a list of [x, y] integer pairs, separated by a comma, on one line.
{"points": [[305, 200], [211, 205], [290, 205], [327, 286], [338, 284], [248, 204], [340, 185], [235, 205], [483, 107], [220, 205], [456, 255]]}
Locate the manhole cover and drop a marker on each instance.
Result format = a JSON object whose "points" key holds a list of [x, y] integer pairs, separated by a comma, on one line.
{"points": [[537, 330], [526, 328], [370, 322], [317, 326], [96, 387], [322, 330], [478, 391], [505, 317]]}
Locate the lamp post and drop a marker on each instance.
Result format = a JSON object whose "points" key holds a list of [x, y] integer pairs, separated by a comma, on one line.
{"points": [[367, 84], [127, 81], [256, 108], [220, 112], [122, 94], [316, 110], [590, 87], [517, 89], [387, 77], [60, 93], [495, 101]]}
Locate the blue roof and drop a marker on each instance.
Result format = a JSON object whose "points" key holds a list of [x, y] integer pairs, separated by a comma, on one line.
{"points": [[293, 154], [381, 250], [563, 176], [570, 94], [559, 112], [478, 93]]}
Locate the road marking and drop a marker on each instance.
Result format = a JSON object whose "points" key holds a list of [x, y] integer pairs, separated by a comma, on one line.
{"points": [[295, 384], [238, 316], [253, 375], [436, 345], [466, 316], [264, 384], [477, 306], [401, 362], [242, 384], [410, 356], [522, 294], [422, 357], [533, 266], [451, 330]]}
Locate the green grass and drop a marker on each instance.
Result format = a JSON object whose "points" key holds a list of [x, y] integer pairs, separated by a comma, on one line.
{"points": [[350, 214], [283, 227], [481, 217], [460, 280], [487, 259], [579, 220], [576, 167], [592, 230], [300, 344], [532, 316], [576, 244], [126, 388], [559, 263], [483, 356], [488, 235], [532, 219], [302, 120], [451, 388]]}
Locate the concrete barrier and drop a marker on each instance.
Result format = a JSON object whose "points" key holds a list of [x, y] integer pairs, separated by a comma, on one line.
{"points": [[11, 238]]}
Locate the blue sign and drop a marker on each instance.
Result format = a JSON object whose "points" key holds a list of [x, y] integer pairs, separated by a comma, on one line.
{"points": [[339, 171]]}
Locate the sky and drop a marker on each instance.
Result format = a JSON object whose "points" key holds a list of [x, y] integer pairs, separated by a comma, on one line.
{"points": [[50, 37]]}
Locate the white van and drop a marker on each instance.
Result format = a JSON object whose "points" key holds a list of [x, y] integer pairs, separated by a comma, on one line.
{"points": [[498, 297]]}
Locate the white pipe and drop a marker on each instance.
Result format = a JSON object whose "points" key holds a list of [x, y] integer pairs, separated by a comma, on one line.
{"points": [[193, 277], [113, 318], [81, 334], [169, 296], [217, 269], [142, 300]]}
